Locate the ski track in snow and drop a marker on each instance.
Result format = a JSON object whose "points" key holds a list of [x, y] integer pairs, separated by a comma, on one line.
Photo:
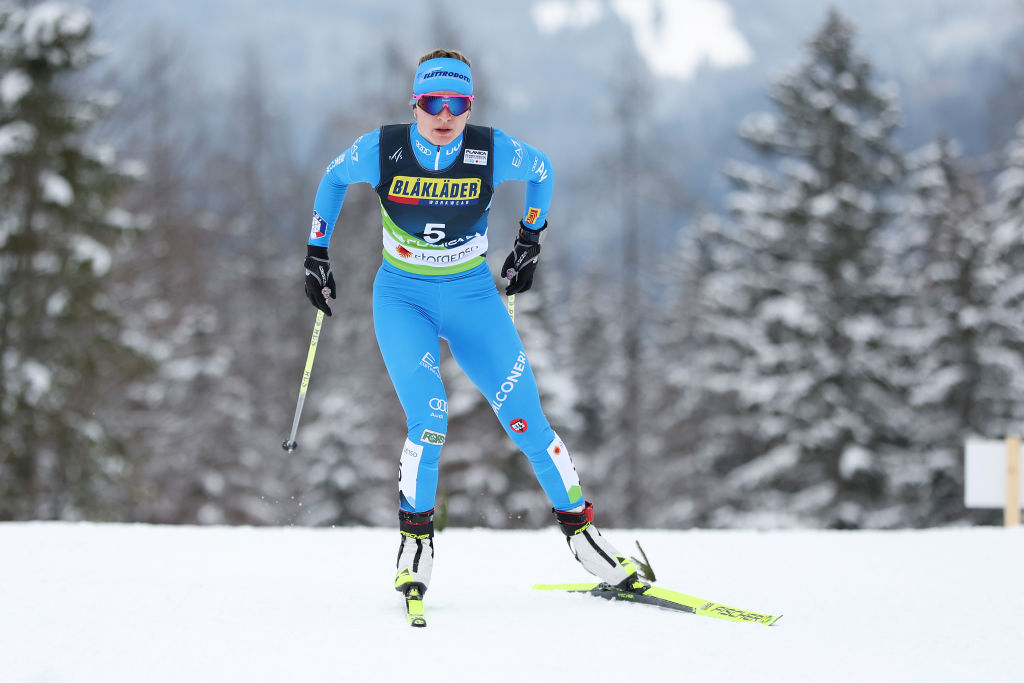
{"points": [[94, 602]]}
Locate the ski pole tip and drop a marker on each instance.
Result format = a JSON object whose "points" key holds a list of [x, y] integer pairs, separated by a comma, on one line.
{"points": [[289, 446]]}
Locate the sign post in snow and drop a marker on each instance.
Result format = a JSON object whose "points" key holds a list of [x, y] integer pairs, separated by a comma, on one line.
{"points": [[992, 476]]}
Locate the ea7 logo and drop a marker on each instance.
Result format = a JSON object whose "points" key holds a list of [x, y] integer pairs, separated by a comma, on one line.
{"points": [[428, 360], [518, 425], [517, 157]]}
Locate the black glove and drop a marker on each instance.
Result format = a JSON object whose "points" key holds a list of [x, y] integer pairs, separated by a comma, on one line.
{"points": [[520, 264], [319, 278]]}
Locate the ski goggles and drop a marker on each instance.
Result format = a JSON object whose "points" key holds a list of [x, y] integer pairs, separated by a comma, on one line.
{"points": [[433, 104]]}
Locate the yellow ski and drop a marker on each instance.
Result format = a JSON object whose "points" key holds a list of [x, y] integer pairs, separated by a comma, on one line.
{"points": [[662, 597], [414, 607]]}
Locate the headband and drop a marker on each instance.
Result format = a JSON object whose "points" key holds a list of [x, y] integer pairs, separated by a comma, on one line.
{"points": [[443, 74]]}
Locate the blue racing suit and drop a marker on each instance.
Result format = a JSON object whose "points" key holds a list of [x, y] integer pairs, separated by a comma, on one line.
{"points": [[434, 284]]}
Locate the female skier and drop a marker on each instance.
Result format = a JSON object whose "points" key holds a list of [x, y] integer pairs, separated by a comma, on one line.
{"points": [[435, 178]]}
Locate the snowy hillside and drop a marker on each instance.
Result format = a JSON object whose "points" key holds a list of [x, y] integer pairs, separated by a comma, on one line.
{"points": [[84, 602]]}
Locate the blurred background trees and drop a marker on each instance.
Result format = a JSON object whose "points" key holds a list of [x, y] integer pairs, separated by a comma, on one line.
{"points": [[813, 354], [67, 443]]}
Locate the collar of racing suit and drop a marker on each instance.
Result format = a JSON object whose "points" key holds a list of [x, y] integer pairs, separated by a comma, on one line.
{"points": [[436, 157]]}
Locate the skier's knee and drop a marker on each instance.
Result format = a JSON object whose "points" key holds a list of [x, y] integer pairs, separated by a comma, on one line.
{"points": [[430, 428], [429, 435]]}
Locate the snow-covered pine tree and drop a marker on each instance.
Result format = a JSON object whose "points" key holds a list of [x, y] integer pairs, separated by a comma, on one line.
{"points": [[938, 261], [1003, 354], [703, 340], [215, 302], [816, 390], [168, 281], [254, 192], [598, 372], [64, 361]]}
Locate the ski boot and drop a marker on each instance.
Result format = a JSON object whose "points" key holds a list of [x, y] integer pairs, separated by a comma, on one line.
{"points": [[594, 552], [415, 551]]}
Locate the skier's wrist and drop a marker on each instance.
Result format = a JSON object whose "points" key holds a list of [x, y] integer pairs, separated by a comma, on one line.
{"points": [[316, 252], [531, 235]]}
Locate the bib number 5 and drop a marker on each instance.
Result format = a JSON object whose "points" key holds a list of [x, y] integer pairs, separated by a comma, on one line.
{"points": [[433, 232]]}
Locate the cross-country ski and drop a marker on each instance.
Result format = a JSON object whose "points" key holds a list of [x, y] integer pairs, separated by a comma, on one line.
{"points": [[662, 597]]}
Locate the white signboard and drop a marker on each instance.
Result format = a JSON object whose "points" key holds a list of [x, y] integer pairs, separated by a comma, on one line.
{"points": [[985, 473]]}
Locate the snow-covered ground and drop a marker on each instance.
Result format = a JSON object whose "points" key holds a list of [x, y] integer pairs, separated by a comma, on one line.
{"points": [[110, 603]]}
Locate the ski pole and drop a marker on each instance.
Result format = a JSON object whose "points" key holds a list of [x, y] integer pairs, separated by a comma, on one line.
{"points": [[512, 307], [290, 445]]}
